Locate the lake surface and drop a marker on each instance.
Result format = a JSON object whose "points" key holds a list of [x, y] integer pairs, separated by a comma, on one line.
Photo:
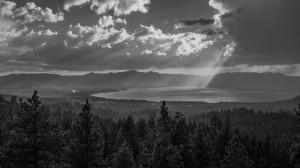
{"points": [[196, 94]]}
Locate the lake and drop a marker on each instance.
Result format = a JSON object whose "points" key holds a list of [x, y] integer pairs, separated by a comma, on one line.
{"points": [[198, 94]]}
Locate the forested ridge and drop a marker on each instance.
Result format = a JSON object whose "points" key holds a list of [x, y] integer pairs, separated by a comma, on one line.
{"points": [[34, 135]]}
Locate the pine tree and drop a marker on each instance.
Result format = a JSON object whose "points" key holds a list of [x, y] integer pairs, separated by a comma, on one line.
{"points": [[236, 156], [295, 148], [165, 154], [109, 139], [34, 140], [165, 123], [133, 143], [129, 132], [67, 119], [2, 148], [226, 131], [181, 138], [119, 138], [224, 137], [253, 144], [14, 100], [151, 121], [202, 145], [295, 155], [123, 158], [1, 98], [141, 128], [146, 155], [267, 150], [180, 135], [216, 125], [164, 126], [296, 125], [87, 143]]}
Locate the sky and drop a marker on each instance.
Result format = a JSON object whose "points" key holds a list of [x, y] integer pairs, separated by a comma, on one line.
{"points": [[202, 37]]}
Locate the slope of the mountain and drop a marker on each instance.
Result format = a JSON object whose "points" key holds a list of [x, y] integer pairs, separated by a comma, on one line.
{"points": [[255, 81], [295, 100]]}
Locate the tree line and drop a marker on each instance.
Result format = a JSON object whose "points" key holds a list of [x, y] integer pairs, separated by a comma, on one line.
{"points": [[32, 136]]}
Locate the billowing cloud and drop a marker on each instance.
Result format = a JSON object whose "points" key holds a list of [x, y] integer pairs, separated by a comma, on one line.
{"points": [[119, 7], [9, 29], [47, 32], [15, 38], [70, 3], [182, 44], [6, 8], [102, 34], [107, 21], [31, 40], [146, 52], [29, 13], [33, 13]]}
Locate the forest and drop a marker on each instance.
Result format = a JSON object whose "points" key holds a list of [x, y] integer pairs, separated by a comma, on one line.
{"points": [[34, 134]]}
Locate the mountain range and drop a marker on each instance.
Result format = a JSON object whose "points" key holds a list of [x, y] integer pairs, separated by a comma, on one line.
{"points": [[95, 82]]}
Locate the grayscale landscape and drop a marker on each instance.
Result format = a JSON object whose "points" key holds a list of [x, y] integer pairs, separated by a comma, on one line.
{"points": [[149, 84]]}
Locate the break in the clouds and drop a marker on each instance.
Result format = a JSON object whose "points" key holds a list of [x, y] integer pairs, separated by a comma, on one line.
{"points": [[109, 35]]}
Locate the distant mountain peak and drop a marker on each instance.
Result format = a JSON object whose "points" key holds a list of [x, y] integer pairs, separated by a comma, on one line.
{"points": [[151, 72], [91, 73]]}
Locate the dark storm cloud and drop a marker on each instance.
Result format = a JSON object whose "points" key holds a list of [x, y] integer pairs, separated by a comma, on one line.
{"points": [[267, 32], [227, 15], [201, 22], [191, 23], [209, 32]]}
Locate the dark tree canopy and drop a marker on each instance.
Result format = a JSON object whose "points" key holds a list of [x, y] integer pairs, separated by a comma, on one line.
{"points": [[236, 155], [34, 140], [67, 135], [86, 141]]}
